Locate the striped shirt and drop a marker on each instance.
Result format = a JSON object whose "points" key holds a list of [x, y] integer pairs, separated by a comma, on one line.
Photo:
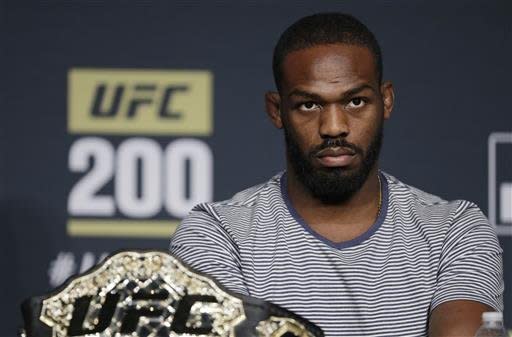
{"points": [[420, 252]]}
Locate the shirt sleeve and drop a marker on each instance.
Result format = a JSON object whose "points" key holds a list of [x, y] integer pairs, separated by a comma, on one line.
{"points": [[202, 243], [470, 266]]}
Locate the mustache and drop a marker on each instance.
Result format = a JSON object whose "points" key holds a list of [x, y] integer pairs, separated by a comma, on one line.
{"points": [[335, 142]]}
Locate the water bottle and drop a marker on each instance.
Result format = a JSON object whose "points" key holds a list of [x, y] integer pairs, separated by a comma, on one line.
{"points": [[492, 325]]}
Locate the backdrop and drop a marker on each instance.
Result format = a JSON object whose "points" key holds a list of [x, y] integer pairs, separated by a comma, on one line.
{"points": [[119, 116]]}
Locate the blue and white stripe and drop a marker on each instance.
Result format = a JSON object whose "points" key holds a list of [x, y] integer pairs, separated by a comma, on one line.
{"points": [[421, 251]]}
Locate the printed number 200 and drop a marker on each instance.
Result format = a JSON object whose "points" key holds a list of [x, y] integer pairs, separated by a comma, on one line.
{"points": [[162, 177]]}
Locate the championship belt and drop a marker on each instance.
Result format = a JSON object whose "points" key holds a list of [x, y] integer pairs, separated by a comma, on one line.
{"points": [[153, 294]]}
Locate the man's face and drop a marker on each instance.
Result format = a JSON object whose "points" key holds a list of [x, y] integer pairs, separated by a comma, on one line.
{"points": [[332, 109]]}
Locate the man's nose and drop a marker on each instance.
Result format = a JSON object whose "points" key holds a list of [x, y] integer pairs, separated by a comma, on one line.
{"points": [[333, 122]]}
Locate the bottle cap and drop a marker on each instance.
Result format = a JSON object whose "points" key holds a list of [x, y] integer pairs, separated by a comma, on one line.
{"points": [[492, 316]]}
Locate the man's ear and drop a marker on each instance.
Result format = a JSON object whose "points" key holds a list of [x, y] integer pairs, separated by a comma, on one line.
{"points": [[273, 107], [388, 97]]}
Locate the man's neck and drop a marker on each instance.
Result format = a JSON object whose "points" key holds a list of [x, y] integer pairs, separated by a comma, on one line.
{"points": [[337, 222]]}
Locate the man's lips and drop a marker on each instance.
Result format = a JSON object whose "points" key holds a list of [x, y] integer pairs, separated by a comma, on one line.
{"points": [[336, 157]]}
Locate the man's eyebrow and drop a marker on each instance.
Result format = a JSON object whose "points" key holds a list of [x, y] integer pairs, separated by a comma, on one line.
{"points": [[313, 96], [305, 94], [358, 89]]}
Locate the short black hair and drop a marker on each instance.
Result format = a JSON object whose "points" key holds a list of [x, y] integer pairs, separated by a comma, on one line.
{"points": [[324, 28]]}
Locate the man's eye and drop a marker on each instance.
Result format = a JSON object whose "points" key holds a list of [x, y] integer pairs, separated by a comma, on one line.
{"points": [[356, 102], [308, 106]]}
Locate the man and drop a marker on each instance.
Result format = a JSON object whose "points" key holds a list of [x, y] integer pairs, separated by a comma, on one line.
{"points": [[334, 239]]}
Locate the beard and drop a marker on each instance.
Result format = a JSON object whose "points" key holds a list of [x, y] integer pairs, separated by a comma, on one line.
{"points": [[337, 184]]}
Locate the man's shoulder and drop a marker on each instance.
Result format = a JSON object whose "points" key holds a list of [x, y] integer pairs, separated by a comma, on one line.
{"points": [[246, 200], [233, 217], [432, 208], [400, 189], [250, 196]]}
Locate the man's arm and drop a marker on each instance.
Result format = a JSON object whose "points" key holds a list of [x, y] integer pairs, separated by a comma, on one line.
{"points": [[204, 244], [470, 275], [459, 318]]}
